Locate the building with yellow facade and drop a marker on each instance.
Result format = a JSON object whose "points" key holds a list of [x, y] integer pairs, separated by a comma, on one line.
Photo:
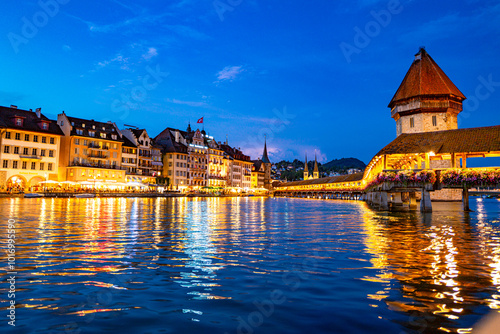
{"points": [[29, 149], [90, 151]]}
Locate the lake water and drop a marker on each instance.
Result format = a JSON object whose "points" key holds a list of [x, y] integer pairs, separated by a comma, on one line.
{"points": [[248, 265]]}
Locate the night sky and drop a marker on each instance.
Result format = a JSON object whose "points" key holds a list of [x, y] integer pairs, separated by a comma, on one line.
{"points": [[312, 75]]}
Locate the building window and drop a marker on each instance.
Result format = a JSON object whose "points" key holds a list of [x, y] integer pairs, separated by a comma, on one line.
{"points": [[85, 143], [434, 121], [19, 122], [14, 164], [76, 150], [77, 141], [92, 133], [16, 150], [42, 165], [42, 153], [49, 166], [25, 165], [44, 140], [412, 122], [7, 135], [35, 138], [18, 136], [34, 151], [79, 132], [52, 141], [33, 165], [45, 126], [26, 137], [103, 135], [25, 151], [51, 153], [6, 164], [6, 149]]}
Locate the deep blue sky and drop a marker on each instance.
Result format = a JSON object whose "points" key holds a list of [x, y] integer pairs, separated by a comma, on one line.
{"points": [[246, 67]]}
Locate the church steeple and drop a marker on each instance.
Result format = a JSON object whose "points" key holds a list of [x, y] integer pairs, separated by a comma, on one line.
{"points": [[265, 158], [426, 100], [189, 127], [306, 170], [316, 170]]}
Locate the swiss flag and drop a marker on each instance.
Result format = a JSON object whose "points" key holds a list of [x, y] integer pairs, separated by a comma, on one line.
{"points": [[200, 120]]}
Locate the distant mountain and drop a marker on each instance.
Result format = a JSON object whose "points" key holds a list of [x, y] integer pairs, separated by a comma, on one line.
{"points": [[344, 163]]}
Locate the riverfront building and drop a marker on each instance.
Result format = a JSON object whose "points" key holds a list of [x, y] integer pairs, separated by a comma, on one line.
{"points": [[91, 151], [194, 160], [29, 148], [139, 164]]}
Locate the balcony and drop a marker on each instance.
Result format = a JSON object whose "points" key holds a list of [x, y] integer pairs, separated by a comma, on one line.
{"points": [[98, 165], [101, 156], [30, 157], [93, 146]]}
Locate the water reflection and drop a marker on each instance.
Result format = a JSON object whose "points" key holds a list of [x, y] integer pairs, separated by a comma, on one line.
{"points": [[205, 265], [444, 265]]}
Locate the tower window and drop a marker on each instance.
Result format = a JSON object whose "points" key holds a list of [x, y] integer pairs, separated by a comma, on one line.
{"points": [[412, 122], [434, 121]]}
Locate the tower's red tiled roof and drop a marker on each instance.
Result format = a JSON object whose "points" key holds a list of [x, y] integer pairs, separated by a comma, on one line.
{"points": [[425, 78]]}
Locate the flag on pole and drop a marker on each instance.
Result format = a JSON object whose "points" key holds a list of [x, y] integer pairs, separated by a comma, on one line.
{"points": [[200, 120]]}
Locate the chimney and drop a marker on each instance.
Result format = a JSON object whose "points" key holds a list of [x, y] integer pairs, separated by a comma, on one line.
{"points": [[39, 112], [13, 106]]}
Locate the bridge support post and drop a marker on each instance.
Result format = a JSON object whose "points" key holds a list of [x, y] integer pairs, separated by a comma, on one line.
{"points": [[397, 203], [412, 201], [465, 199], [384, 203], [425, 202]]}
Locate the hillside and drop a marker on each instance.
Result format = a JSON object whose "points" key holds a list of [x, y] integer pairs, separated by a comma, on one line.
{"points": [[344, 163]]}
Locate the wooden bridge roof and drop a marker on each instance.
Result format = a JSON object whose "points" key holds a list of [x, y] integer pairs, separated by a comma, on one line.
{"points": [[325, 180], [472, 140]]}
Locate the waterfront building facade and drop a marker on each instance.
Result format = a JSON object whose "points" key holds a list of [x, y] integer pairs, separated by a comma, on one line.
{"points": [[217, 165], [144, 172], [258, 174], [90, 151], [175, 155], [29, 148]]}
